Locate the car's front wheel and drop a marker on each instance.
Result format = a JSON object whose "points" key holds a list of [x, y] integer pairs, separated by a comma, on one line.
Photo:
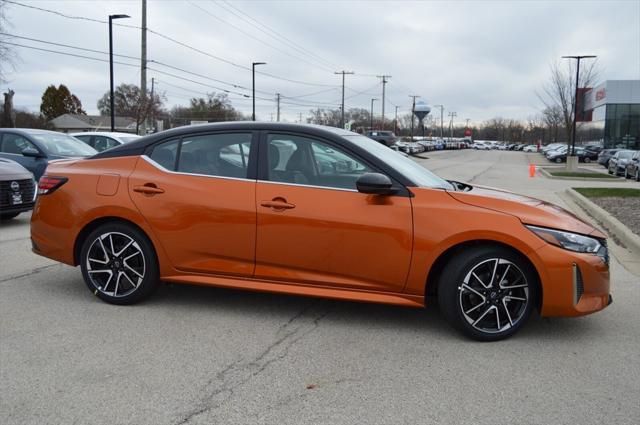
{"points": [[487, 292], [119, 264]]}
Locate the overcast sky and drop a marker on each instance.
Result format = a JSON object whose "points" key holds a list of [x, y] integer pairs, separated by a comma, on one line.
{"points": [[481, 59]]}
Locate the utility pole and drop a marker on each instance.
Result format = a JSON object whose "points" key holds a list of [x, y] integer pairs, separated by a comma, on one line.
{"points": [[395, 123], [384, 83], [371, 114], [468, 119], [343, 74], [441, 120], [452, 115], [413, 109], [278, 108], [143, 66], [300, 118]]}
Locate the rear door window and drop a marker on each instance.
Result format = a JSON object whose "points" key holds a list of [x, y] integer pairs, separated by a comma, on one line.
{"points": [[221, 155]]}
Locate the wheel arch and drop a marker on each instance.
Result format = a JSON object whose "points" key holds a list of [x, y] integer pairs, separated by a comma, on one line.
{"points": [[94, 224], [431, 284]]}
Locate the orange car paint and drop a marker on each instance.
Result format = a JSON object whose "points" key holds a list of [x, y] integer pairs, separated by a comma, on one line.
{"points": [[334, 243]]}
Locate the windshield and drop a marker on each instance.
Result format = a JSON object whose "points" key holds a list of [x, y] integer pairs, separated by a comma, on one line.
{"points": [[625, 154], [406, 166], [63, 145]]}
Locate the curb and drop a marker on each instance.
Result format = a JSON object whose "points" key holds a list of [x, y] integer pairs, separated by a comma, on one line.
{"points": [[613, 225], [586, 179]]}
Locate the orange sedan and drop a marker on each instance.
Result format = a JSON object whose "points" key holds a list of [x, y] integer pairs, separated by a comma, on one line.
{"points": [[314, 211]]}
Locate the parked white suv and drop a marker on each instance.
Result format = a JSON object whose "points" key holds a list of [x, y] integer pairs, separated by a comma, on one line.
{"points": [[103, 140]]}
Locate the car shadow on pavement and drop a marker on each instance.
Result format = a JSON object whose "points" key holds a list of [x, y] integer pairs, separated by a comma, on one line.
{"points": [[206, 301]]}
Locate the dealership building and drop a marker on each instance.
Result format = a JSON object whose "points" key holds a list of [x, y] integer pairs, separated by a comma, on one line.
{"points": [[612, 114]]}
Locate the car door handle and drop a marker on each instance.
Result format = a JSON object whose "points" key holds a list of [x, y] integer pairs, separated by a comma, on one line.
{"points": [[148, 189], [277, 204]]}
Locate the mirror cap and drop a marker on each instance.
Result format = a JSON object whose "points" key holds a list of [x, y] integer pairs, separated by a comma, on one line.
{"points": [[375, 184]]}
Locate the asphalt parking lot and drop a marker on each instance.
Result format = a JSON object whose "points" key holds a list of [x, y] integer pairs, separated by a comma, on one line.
{"points": [[193, 355]]}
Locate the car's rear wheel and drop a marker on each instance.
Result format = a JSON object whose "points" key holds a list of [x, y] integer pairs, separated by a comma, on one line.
{"points": [[558, 160], [487, 292], [119, 264], [587, 159]]}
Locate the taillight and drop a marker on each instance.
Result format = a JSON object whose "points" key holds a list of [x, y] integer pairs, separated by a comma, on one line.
{"points": [[48, 184]]}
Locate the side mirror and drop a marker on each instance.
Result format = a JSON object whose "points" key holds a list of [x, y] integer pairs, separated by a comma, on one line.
{"points": [[375, 183], [31, 153]]}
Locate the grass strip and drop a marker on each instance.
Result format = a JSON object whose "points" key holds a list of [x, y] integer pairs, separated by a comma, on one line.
{"points": [[607, 192]]}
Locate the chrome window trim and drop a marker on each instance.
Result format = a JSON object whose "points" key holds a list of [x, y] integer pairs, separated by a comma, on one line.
{"points": [[308, 185], [161, 168]]}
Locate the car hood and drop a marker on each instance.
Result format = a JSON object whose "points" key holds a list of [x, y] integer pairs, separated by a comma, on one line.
{"points": [[528, 210], [11, 170]]}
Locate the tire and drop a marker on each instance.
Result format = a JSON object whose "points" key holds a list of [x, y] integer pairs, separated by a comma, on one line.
{"points": [[637, 175], [609, 171], [587, 159], [8, 216], [626, 174], [487, 311], [558, 160], [124, 251]]}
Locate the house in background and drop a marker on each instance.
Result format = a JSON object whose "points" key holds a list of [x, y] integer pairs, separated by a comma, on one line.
{"points": [[69, 123]]}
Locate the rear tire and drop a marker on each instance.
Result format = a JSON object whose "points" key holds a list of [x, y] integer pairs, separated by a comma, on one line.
{"points": [[487, 292], [119, 264]]}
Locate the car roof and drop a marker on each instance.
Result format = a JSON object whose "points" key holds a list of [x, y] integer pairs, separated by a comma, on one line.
{"points": [[28, 131], [138, 146], [103, 133]]}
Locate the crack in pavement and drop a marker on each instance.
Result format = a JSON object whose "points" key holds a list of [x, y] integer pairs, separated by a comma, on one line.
{"points": [[29, 273], [221, 388]]}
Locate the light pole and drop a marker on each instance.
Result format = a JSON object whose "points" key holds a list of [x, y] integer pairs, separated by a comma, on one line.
{"points": [[111, 95], [371, 114], [343, 74], [253, 87], [575, 102]]}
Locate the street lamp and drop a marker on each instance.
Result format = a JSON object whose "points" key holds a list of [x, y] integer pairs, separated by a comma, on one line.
{"points": [[111, 96], [575, 103], [371, 114], [253, 86]]}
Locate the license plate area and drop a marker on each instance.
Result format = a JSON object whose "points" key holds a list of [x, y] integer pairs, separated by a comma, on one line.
{"points": [[16, 198]]}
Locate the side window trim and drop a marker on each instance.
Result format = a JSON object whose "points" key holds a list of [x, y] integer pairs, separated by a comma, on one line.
{"points": [[252, 161]]}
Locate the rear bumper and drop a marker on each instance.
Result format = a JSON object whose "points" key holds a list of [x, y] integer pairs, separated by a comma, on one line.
{"points": [[573, 284]]}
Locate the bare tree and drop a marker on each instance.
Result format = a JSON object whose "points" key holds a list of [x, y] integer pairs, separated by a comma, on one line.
{"points": [[8, 55], [559, 93]]}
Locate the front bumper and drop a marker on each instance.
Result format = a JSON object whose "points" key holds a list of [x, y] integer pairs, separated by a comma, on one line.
{"points": [[573, 284]]}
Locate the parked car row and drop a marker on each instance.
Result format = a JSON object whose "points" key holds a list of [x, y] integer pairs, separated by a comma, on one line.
{"points": [[25, 154]]}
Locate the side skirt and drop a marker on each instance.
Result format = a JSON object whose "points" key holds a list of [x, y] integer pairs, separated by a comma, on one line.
{"points": [[406, 300]]}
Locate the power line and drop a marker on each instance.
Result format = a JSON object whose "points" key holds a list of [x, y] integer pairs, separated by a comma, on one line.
{"points": [[254, 37], [275, 35], [173, 40]]}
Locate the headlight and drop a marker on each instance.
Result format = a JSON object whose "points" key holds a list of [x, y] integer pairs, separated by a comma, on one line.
{"points": [[567, 240]]}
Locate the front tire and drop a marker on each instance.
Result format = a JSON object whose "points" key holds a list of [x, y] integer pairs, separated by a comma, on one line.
{"points": [[119, 264], [487, 292]]}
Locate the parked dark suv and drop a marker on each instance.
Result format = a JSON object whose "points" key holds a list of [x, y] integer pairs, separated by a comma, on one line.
{"points": [[33, 149], [385, 137]]}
